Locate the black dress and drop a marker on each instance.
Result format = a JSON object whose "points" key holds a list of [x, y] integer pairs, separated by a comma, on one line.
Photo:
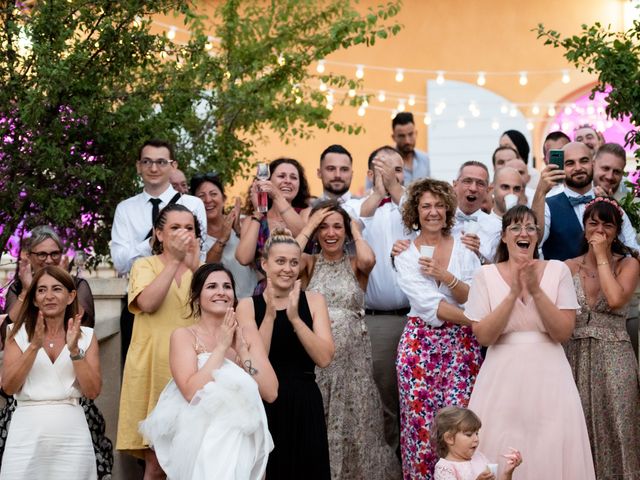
{"points": [[296, 418]]}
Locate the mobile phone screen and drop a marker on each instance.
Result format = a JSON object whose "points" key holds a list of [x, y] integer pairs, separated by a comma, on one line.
{"points": [[557, 158]]}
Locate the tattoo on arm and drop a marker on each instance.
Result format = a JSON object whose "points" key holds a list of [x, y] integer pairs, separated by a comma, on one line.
{"points": [[249, 369]]}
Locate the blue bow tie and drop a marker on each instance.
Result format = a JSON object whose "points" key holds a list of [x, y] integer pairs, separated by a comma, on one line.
{"points": [[463, 217], [579, 200]]}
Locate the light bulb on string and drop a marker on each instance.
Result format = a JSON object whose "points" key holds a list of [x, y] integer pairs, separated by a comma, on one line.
{"points": [[461, 123], [513, 111], [361, 111], [568, 110], [495, 125], [555, 126], [590, 110], [529, 125], [523, 79], [482, 79], [427, 119], [365, 102], [551, 111], [566, 126], [322, 87], [171, 34], [381, 96], [504, 109], [360, 72], [351, 93], [412, 100], [440, 78], [394, 113], [565, 77], [401, 106], [535, 110], [399, 75], [320, 68]]}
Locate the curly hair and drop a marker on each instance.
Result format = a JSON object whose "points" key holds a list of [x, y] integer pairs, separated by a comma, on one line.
{"points": [[452, 419], [442, 190]]}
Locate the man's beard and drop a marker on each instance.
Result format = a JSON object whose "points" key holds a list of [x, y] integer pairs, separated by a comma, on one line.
{"points": [[337, 192], [570, 182]]}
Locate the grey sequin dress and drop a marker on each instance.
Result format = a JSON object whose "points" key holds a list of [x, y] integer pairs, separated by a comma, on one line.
{"points": [[353, 410], [606, 374]]}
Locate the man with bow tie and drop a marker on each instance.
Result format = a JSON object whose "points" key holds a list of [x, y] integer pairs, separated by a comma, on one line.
{"points": [[563, 212], [471, 188]]}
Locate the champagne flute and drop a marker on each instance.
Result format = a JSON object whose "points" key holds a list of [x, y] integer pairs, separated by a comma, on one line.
{"points": [[80, 259], [263, 199]]}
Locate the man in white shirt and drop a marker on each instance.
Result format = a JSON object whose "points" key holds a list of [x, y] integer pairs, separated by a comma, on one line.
{"points": [[471, 188], [523, 170], [506, 181], [386, 305], [336, 173], [562, 232], [133, 220]]}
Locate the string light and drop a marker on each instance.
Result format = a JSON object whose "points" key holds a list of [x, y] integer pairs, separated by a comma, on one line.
{"points": [[171, 34], [523, 79], [535, 110], [381, 96], [513, 111], [360, 72], [461, 123], [568, 110], [399, 75], [394, 113], [482, 80], [495, 125], [504, 109], [323, 87], [440, 78], [401, 106], [361, 111], [352, 93], [427, 119], [565, 76], [412, 100], [551, 111], [590, 110], [320, 68], [529, 125]]}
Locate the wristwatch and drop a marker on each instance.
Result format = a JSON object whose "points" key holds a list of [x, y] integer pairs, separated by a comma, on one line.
{"points": [[81, 354]]}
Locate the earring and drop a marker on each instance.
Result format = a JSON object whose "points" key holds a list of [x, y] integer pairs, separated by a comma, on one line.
{"points": [[415, 227]]}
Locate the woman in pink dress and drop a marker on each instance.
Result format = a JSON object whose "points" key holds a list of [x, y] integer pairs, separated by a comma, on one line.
{"points": [[523, 308]]}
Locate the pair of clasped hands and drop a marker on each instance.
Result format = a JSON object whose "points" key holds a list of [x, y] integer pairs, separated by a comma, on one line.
{"points": [[72, 335], [230, 334]]}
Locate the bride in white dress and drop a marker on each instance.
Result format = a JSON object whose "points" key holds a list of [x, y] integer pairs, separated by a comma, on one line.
{"points": [[209, 421], [50, 361]]}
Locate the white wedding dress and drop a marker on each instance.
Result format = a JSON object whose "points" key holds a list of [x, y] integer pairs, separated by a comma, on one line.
{"points": [[221, 434], [48, 437]]}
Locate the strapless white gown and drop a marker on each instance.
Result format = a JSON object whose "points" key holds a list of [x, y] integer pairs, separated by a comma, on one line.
{"points": [[221, 434]]}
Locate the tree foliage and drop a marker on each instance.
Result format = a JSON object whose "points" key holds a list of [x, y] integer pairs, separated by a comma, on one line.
{"points": [[86, 82], [613, 56]]}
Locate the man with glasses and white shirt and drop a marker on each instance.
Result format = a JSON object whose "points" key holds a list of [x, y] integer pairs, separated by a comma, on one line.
{"points": [[133, 221]]}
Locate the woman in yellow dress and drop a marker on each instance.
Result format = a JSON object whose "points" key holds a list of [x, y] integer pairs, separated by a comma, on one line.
{"points": [[158, 296]]}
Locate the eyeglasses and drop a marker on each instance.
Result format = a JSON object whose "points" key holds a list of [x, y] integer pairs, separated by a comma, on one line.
{"points": [[42, 256], [516, 229], [209, 177], [162, 162], [467, 182]]}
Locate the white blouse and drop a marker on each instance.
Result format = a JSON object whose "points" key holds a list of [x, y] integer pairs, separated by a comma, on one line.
{"points": [[423, 291]]}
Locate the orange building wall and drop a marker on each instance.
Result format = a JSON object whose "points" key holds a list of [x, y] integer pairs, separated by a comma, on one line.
{"points": [[454, 35]]}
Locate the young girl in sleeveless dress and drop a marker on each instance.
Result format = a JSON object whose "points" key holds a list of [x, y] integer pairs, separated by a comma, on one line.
{"points": [[455, 433]]}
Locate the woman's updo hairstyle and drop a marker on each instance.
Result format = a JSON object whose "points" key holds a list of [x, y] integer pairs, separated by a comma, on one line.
{"points": [[279, 236], [160, 222]]}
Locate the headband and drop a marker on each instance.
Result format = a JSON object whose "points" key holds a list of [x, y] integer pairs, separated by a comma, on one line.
{"points": [[608, 200]]}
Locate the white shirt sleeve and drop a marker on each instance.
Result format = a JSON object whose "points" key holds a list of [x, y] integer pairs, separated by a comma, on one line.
{"points": [[125, 248], [628, 235]]}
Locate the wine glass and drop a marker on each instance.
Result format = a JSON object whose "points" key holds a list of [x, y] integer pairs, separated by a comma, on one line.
{"points": [[80, 259], [263, 174]]}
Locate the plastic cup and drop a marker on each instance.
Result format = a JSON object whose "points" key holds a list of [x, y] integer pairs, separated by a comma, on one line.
{"points": [[427, 251], [493, 468], [471, 228], [510, 201]]}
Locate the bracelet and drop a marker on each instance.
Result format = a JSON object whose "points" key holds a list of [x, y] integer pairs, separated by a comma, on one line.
{"points": [[602, 263], [222, 244], [453, 283], [259, 220]]}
